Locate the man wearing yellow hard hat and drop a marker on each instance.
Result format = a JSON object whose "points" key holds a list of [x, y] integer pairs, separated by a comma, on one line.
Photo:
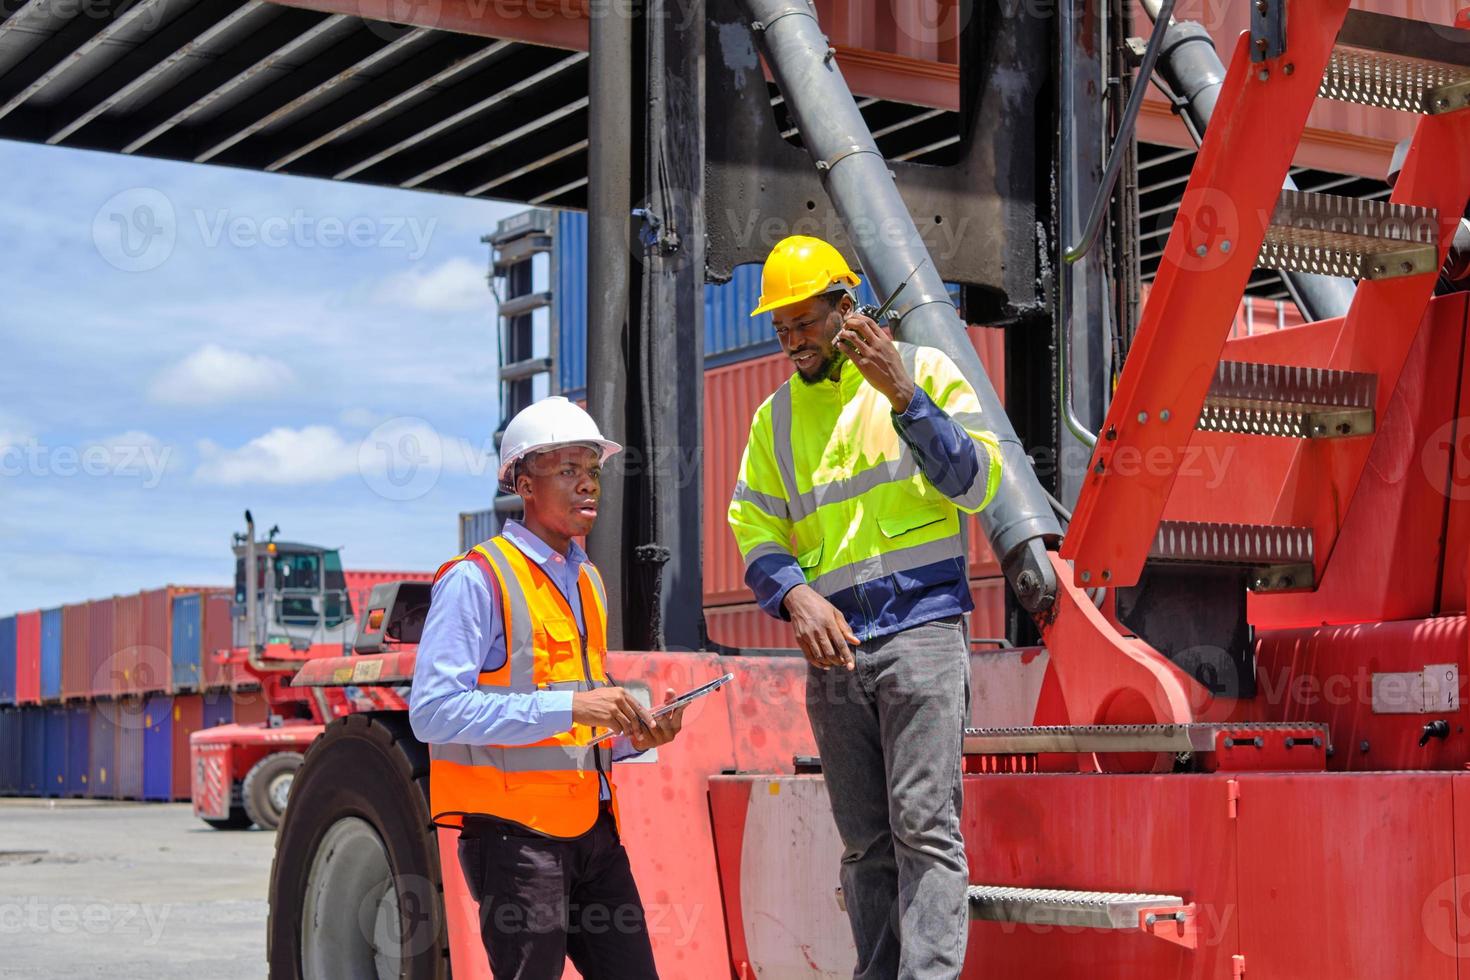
{"points": [[857, 473]]}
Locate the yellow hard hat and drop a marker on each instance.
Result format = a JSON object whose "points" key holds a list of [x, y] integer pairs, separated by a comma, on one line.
{"points": [[799, 268]]}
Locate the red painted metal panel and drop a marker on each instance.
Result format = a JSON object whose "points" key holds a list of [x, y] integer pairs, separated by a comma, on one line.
{"points": [[1159, 834], [127, 635], [217, 636], [28, 657], [251, 707], [1338, 871], [76, 675], [1446, 449], [1325, 674], [101, 659], [153, 665], [188, 719]]}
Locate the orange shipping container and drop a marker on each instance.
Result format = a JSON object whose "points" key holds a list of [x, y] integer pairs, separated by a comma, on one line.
{"points": [[217, 635], [153, 666], [76, 672], [127, 634]]}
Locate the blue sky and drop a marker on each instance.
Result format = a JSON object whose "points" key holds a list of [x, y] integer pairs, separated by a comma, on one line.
{"points": [[180, 342]]}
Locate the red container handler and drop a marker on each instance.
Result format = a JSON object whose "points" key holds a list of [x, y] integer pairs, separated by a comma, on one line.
{"points": [[127, 634], [188, 719], [76, 671], [101, 655], [217, 635], [28, 657]]}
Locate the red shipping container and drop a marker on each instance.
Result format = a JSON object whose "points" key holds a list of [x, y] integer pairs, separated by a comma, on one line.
{"points": [[76, 672], [188, 719], [217, 635], [127, 634], [251, 708], [28, 657], [153, 665], [101, 654]]}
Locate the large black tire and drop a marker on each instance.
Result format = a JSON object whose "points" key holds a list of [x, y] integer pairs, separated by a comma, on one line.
{"points": [[355, 888], [264, 792]]}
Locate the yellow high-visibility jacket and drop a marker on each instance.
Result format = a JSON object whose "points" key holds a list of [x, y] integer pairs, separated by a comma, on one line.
{"points": [[863, 504]]}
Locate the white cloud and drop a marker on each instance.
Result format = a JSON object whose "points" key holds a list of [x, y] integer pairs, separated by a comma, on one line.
{"points": [[401, 458], [215, 375], [455, 286]]}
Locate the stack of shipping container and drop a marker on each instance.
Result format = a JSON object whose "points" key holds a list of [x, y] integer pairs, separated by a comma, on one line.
{"points": [[98, 698]]}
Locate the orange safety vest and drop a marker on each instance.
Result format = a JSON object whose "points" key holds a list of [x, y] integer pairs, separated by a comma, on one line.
{"points": [[551, 786]]}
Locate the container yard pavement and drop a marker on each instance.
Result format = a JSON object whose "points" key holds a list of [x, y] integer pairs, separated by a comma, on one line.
{"points": [[122, 890]]}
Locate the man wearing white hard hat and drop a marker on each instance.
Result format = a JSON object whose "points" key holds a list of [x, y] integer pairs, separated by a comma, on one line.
{"points": [[509, 689]]}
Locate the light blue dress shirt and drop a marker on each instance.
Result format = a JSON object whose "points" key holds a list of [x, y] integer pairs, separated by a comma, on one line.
{"points": [[465, 635]]}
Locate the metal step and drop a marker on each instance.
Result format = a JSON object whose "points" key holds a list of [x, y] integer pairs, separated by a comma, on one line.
{"points": [[521, 370], [1288, 400], [1329, 235], [521, 305], [1281, 556], [1063, 907], [1396, 63], [1175, 739]]}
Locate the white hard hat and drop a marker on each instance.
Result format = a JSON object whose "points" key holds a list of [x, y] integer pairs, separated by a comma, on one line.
{"points": [[548, 424]]}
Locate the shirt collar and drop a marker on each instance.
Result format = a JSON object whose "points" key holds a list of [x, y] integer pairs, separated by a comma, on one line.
{"points": [[537, 550]]}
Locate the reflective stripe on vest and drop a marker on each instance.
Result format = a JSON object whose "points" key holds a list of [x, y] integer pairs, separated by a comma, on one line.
{"points": [[867, 510], [553, 786]]}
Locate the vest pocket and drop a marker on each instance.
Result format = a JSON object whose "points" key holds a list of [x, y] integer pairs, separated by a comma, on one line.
{"points": [[904, 521], [563, 646]]}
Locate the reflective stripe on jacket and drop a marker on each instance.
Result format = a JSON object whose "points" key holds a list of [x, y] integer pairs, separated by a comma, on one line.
{"points": [[864, 504], [551, 786]]}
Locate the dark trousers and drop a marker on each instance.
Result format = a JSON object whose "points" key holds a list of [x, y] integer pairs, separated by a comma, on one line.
{"points": [[543, 900]]}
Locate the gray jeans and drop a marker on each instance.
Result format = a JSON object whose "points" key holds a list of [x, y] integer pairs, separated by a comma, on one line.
{"points": [[890, 737]]}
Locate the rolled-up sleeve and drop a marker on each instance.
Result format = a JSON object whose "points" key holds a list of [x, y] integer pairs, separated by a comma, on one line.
{"points": [[445, 702]]}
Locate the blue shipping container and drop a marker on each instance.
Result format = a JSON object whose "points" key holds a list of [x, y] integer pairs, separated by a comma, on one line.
{"points": [[33, 769], [7, 660], [158, 747], [103, 734], [53, 770], [188, 625], [127, 782], [78, 748], [219, 709], [475, 527], [11, 751], [51, 655]]}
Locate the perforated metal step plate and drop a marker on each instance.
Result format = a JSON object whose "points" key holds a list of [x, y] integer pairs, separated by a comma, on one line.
{"points": [[1062, 907], [1330, 235], [1288, 400], [1202, 737], [1396, 63]]}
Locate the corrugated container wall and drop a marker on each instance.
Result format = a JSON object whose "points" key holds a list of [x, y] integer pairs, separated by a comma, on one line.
{"points": [[186, 628], [11, 750], [219, 709], [152, 668], [76, 630], [128, 749], [127, 634], [28, 657], [474, 527], [217, 634], [54, 767], [188, 719], [100, 654], [7, 660], [78, 748], [33, 767], [158, 747], [103, 739], [51, 655]]}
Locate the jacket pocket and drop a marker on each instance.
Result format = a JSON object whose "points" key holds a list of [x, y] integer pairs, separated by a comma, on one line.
{"points": [[911, 519], [810, 558]]}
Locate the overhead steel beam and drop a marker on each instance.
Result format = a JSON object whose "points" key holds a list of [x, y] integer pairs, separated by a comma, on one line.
{"points": [[420, 134], [499, 142], [374, 100], [219, 138], [551, 23], [82, 34], [278, 40], [183, 38], [534, 165]]}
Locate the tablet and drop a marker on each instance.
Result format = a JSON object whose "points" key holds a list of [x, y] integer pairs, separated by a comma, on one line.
{"points": [[678, 702]]}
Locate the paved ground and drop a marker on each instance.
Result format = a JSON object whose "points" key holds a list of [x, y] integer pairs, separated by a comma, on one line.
{"points": [[129, 890]]}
